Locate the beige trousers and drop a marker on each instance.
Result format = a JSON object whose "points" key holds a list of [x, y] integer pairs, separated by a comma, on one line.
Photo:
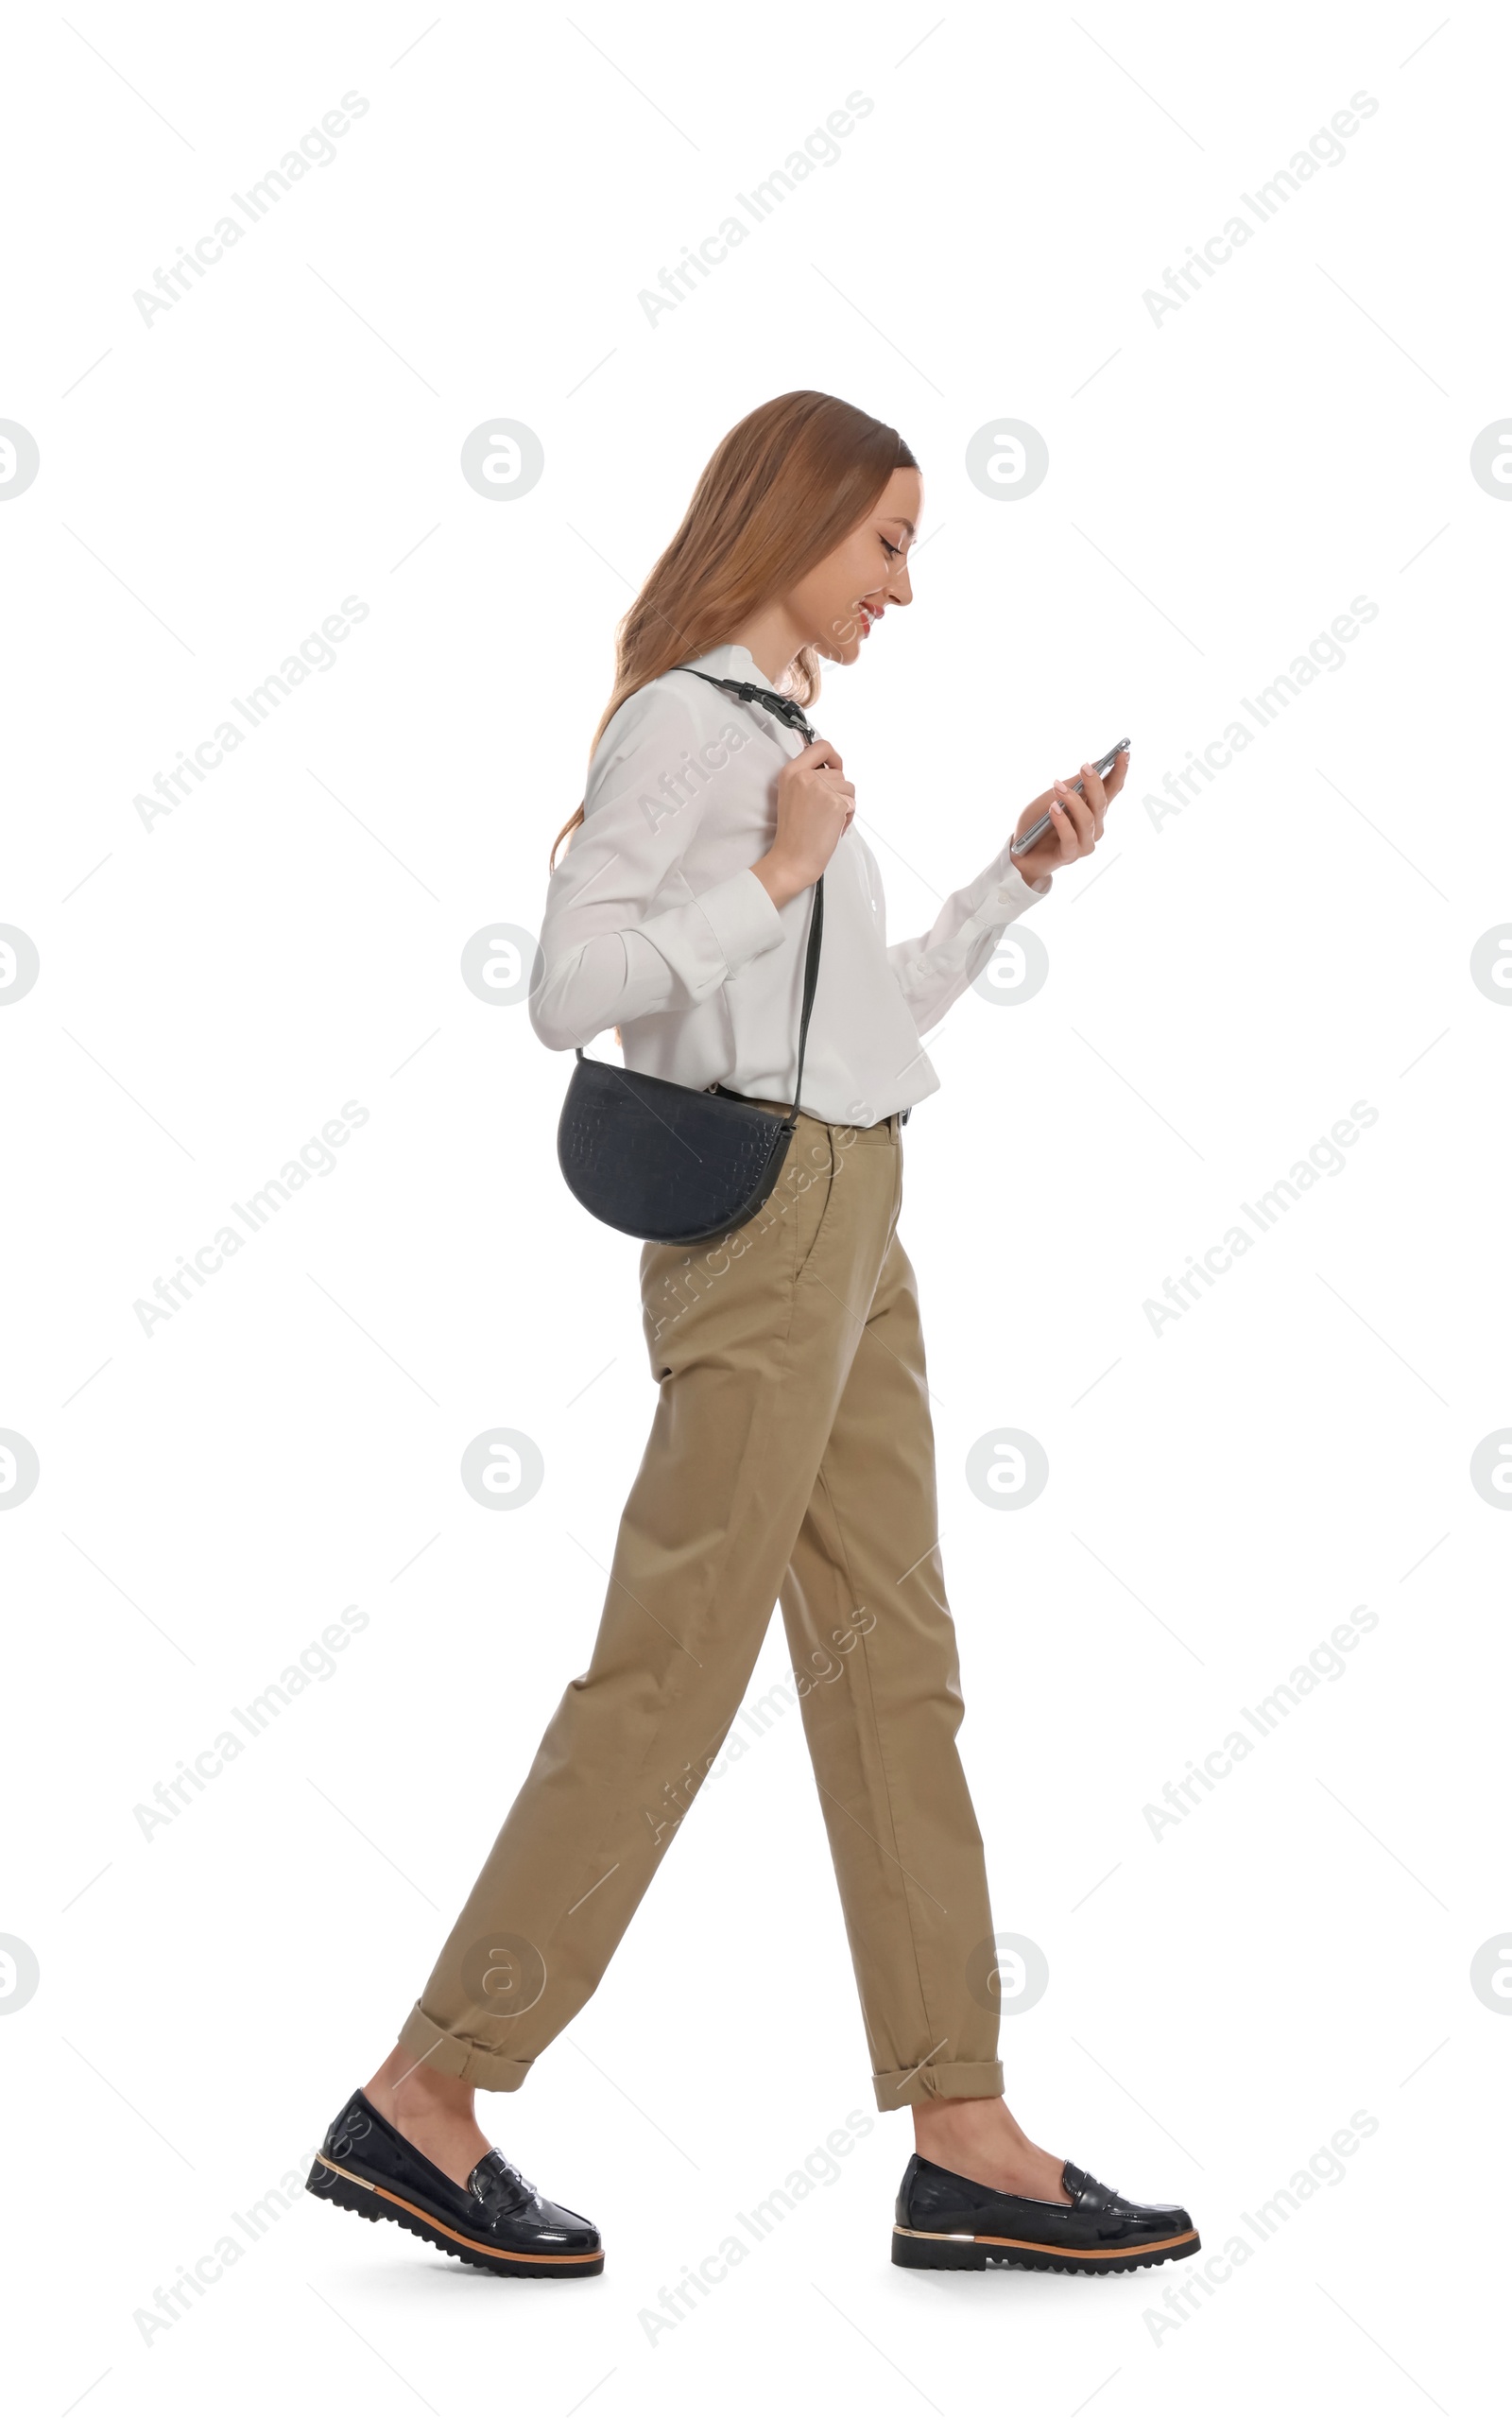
{"points": [[791, 1457]]}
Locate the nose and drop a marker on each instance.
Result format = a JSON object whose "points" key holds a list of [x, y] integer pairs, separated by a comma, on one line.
{"points": [[898, 591]]}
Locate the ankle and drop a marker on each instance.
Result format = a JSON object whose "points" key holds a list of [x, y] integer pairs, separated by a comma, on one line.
{"points": [[405, 2092], [964, 2123], [978, 2138]]}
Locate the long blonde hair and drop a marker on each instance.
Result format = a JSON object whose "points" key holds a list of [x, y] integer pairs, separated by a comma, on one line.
{"points": [[779, 492]]}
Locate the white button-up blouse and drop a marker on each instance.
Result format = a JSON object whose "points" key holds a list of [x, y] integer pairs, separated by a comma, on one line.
{"points": [[655, 921]]}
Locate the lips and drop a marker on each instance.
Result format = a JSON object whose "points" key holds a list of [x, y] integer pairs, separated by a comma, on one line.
{"points": [[869, 618]]}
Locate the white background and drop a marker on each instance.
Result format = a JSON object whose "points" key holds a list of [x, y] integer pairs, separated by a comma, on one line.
{"points": [[1222, 988]]}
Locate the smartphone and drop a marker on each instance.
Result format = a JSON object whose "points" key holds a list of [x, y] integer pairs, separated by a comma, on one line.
{"points": [[1021, 845]]}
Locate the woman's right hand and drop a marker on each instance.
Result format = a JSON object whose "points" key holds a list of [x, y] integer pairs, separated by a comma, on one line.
{"points": [[816, 805]]}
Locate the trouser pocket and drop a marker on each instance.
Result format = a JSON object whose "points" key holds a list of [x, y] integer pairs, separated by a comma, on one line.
{"points": [[809, 1178]]}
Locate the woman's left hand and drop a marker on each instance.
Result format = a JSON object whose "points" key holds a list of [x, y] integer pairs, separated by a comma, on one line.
{"points": [[1078, 819]]}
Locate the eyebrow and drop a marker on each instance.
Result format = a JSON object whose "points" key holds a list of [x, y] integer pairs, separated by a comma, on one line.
{"points": [[908, 523]]}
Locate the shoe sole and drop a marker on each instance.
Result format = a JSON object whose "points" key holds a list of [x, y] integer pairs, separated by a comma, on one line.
{"points": [[976, 2252], [379, 2206]]}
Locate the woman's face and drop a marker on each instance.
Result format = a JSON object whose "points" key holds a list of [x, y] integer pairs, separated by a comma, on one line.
{"points": [[840, 601]]}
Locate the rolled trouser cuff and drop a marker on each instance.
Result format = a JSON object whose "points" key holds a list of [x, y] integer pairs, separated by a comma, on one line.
{"points": [[461, 2059], [921, 2082]]}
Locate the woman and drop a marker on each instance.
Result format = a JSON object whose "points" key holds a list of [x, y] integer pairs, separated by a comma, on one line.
{"points": [[791, 1456]]}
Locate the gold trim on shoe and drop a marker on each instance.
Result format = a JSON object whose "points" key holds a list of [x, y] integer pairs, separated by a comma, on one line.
{"points": [[1052, 2249]]}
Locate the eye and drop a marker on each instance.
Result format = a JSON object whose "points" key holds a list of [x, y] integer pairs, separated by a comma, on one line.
{"points": [[891, 548]]}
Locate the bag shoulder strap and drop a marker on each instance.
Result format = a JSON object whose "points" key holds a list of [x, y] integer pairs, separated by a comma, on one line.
{"points": [[780, 704], [782, 707]]}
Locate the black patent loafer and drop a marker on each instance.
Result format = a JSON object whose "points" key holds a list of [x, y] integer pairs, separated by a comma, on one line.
{"points": [[499, 2221], [943, 2220]]}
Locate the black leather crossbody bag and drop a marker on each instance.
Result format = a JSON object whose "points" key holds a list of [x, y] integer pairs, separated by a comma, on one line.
{"points": [[658, 1160]]}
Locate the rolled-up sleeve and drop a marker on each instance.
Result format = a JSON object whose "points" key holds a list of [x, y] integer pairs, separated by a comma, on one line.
{"points": [[934, 970], [623, 934]]}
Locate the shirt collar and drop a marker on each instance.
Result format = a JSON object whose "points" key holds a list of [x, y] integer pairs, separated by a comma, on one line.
{"points": [[733, 660]]}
